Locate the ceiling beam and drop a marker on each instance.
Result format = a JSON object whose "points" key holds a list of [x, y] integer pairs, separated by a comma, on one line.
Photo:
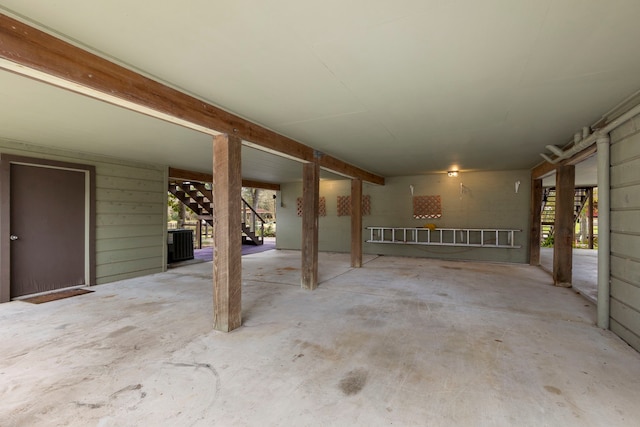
{"points": [[248, 183], [334, 165], [34, 53], [543, 169], [187, 175]]}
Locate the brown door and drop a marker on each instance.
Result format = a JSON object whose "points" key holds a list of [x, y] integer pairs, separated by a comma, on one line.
{"points": [[47, 229]]}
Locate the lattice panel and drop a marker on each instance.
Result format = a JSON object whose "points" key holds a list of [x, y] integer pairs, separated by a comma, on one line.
{"points": [[366, 205], [322, 209], [299, 206], [344, 205], [427, 207]]}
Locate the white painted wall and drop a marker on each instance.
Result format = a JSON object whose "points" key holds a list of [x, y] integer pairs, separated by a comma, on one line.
{"points": [[130, 211], [488, 201], [625, 232]]}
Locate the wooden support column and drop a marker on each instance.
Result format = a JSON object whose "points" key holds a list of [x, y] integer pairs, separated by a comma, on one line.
{"points": [[590, 215], [227, 256], [535, 218], [563, 227], [310, 207], [356, 223], [199, 234]]}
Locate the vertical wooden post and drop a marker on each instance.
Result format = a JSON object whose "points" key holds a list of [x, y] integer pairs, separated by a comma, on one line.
{"points": [[563, 227], [535, 220], [356, 223], [199, 233], [310, 207], [227, 257], [590, 215]]}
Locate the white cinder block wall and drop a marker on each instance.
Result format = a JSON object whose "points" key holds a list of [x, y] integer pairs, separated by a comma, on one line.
{"points": [[488, 200], [131, 210], [625, 232]]}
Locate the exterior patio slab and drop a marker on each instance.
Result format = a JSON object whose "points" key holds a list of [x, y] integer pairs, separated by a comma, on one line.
{"points": [[585, 270]]}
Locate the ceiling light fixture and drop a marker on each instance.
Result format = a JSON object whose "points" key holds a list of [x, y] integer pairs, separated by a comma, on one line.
{"points": [[452, 174]]}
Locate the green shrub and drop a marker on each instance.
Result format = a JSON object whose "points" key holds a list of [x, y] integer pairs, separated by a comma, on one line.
{"points": [[269, 230]]}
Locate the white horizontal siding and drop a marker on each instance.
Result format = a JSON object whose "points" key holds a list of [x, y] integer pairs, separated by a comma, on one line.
{"points": [[126, 255], [116, 232], [117, 220], [626, 269], [625, 232], [626, 292], [130, 221], [109, 207], [625, 221], [629, 336], [130, 211], [119, 183], [108, 272], [130, 196], [122, 243], [625, 246]]}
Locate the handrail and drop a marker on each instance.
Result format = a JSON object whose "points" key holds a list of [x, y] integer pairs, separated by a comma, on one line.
{"points": [[469, 237], [252, 224], [252, 210]]}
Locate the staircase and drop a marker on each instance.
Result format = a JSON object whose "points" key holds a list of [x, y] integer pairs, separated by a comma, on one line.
{"points": [[198, 197], [548, 214]]}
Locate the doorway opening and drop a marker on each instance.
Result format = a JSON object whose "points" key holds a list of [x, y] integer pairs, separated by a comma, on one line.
{"points": [[585, 228]]}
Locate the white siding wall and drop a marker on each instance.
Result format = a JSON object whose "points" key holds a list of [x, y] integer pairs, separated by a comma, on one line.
{"points": [[130, 211], [625, 232]]}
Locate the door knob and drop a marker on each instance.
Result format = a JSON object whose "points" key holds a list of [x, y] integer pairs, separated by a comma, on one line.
{"points": [[13, 237]]}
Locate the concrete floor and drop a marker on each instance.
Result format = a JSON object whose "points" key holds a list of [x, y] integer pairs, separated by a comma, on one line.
{"points": [[584, 270], [401, 341]]}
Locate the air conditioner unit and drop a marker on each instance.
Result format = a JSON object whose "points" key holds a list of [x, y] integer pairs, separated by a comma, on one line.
{"points": [[179, 245]]}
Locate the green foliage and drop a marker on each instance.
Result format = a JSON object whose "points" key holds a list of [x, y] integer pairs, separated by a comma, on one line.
{"points": [[585, 245], [269, 230], [547, 242], [264, 198], [173, 207]]}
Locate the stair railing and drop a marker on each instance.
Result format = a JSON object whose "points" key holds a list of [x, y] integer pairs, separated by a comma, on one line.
{"points": [[255, 222]]}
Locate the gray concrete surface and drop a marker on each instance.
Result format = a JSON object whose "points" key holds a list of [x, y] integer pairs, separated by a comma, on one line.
{"points": [[584, 272], [401, 341]]}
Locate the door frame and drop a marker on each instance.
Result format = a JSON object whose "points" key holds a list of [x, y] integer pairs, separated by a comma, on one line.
{"points": [[6, 160]]}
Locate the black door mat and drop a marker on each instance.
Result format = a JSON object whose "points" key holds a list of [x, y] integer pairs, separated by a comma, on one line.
{"points": [[56, 296]]}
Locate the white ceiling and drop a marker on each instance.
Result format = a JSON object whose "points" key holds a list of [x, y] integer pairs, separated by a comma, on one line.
{"points": [[395, 87]]}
